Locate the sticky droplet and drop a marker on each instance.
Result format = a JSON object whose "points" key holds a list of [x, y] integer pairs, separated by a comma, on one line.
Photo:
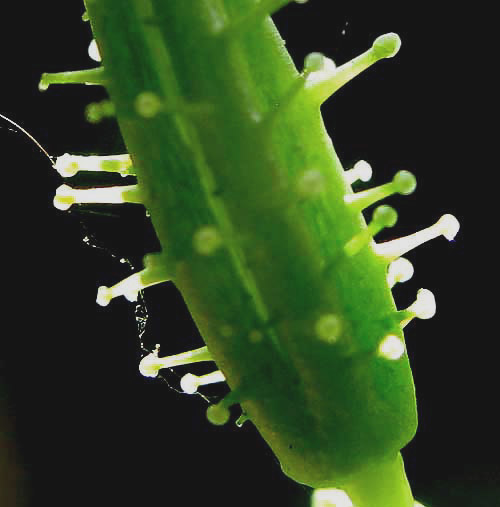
{"points": [[94, 51]]}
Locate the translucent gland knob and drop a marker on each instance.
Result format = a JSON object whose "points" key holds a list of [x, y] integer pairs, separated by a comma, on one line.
{"points": [[387, 45], [404, 182], [385, 216], [314, 62], [206, 240], [328, 328], [218, 414]]}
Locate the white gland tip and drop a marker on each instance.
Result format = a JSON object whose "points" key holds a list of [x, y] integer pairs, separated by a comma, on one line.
{"points": [[66, 166], [64, 198], [449, 226], [104, 295], [363, 170], [392, 347], [399, 271], [149, 366], [424, 306], [131, 296], [330, 498], [190, 383]]}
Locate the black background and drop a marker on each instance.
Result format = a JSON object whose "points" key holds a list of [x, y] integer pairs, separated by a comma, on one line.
{"points": [[80, 422]]}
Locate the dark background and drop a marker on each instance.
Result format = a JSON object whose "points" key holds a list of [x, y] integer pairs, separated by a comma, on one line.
{"points": [[80, 426]]}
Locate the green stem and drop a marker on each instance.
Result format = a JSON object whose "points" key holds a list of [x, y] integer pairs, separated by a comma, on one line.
{"points": [[383, 484]]}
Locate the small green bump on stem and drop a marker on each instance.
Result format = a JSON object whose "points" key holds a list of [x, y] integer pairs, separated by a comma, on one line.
{"points": [[147, 104], [207, 240], [226, 331], [255, 336], [328, 328], [311, 183]]}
